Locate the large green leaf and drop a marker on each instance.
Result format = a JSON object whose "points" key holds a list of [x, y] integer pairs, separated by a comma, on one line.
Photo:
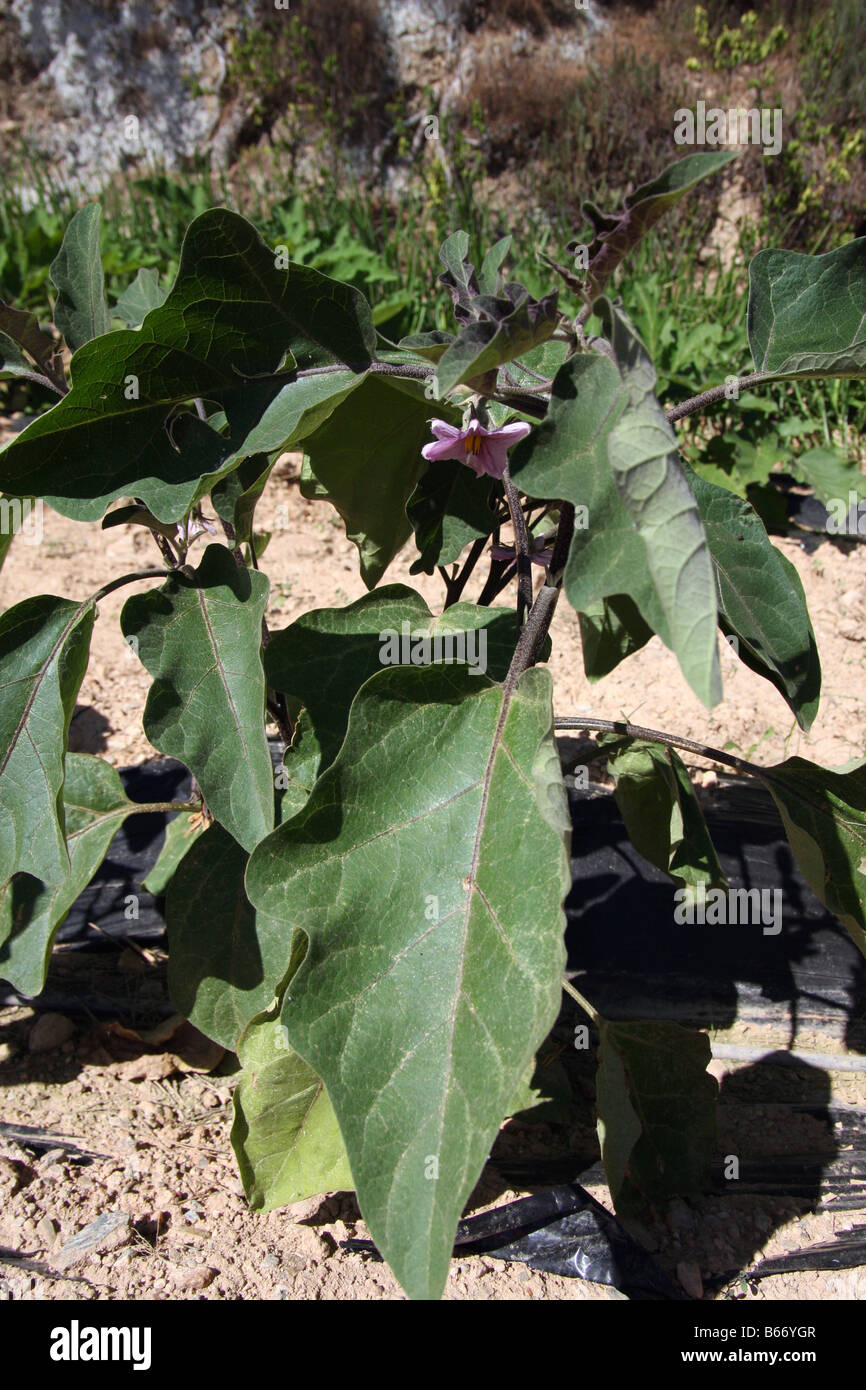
{"points": [[428, 871], [44, 646], [285, 1133], [661, 812], [643, 454], [95, 806], [807, 314], [761, 599], [199, 636], [616, 234], [231, 315], [605, 445], [656, 1112], [366, 460], [80, 311], [225, 959], [824, 814], [327, 654]]}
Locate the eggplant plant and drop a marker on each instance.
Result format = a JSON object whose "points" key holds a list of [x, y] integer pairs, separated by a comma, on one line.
{"points": [[374, 923]]}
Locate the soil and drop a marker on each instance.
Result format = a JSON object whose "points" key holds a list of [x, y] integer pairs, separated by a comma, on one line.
{"points": [[158, 1132]]}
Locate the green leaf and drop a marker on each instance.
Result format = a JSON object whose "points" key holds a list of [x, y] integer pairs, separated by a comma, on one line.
{"points": [[199, 636], [448, 510], [285, 1133], [643, 454], [143, 294], [661, 813], [428, 871], [366, 460], [617, 234], [830, 475], [231, 315], [80, 311], [657, 1112], [12, 360], [824, 814], [430, 345], [95, 807], [325, 656], [180, 836], [761, 599], [489, 278], [44, 647], [459, 278], [507, 330], [225, 959], [807, 314], [610, 630], [606, 445], [296, 412], [22, 328]]}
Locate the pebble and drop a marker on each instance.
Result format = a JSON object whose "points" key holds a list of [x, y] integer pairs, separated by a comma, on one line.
{"points": [[49, 1032], [689, 1276], [192, 1280], [46, 1231]]}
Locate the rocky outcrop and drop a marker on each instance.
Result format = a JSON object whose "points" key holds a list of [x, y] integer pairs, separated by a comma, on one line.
{"points": [[121, 83]]}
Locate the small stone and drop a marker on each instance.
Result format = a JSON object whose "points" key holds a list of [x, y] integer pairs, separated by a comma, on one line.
{"points": [[270, 1261], [193, 1280], [46, 1231], [210, 1100], [7, 1051], [107, 1232], [689, 1276], [49, 1032]]}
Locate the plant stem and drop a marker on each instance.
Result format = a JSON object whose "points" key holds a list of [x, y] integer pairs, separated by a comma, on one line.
{"points": [[619, 726], [581, 1000], [128, 579], [716, 393], [456, 586], [521, 540]]}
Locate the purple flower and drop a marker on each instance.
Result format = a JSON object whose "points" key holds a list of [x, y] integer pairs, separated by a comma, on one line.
{"points": [[484, 451]]}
